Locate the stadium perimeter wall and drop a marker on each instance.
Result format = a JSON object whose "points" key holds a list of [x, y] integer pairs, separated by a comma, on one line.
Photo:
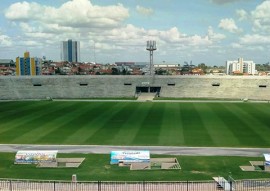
{"points": [[42, 87]]}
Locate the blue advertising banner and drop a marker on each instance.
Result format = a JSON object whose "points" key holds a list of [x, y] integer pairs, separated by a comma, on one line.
{"points": [[129, 156]]}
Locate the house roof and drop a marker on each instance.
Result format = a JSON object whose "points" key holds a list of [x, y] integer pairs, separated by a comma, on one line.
{"points": [[6, 61]]}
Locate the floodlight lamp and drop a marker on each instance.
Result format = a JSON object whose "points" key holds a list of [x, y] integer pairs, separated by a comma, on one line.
{"points": [[151, 45]]}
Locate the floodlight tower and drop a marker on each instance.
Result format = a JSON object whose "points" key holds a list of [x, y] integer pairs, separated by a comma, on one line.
{"points": [[151, 46]]}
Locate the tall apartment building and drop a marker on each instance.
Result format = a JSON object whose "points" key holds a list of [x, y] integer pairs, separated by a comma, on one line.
{"points": [[28, 66], [240, 66], [70, 51]]}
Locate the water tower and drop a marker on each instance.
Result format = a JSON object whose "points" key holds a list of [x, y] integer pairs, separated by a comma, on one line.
{"points": [[151, 46]]}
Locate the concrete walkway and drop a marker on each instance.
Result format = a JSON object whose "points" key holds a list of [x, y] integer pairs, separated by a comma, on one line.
{"points": [[167, 150]]}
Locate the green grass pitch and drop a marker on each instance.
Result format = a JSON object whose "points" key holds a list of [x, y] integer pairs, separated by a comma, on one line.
{"points": [[96, 167], [135, 123]]}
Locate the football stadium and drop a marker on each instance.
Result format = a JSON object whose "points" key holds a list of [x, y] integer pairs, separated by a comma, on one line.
{"points": [[136, 113]]}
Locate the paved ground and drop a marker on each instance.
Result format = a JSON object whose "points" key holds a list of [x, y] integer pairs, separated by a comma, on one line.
{"points": [[146, 97], [106, 149], [150, 98]]}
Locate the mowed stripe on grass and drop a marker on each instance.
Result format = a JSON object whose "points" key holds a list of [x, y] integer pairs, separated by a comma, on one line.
{"points": [[112, 122], [241, 125], [27, 120], [15, 114], [215, 126], [172, 131], [135, 123], [51, 131], [72, 122], [149, 131], [254, 122], [195, 132]]}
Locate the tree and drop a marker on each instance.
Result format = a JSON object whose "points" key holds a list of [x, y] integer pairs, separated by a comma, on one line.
{"points": [[57, 71], [124, 72], [203, 67], [115, 71], [160, 72]]}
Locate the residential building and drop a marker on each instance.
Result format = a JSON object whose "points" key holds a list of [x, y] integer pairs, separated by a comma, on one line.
{"points": [[167, 69], [6, 71], [70, 51], [7, 62], [28, 66], [240, 66]]}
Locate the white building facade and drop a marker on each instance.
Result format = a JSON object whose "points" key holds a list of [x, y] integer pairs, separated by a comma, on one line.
{"points": [[240, 66]]}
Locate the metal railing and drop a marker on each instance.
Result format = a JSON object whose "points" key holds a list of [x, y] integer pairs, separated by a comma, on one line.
{"points": [[35, 185]]}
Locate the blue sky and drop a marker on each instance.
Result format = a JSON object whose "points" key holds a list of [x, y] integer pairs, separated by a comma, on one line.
{"points": [[204, 31]]}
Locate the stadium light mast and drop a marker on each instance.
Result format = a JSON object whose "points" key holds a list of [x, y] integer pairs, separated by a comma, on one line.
{"points": [[151, 47], [95, 52]]}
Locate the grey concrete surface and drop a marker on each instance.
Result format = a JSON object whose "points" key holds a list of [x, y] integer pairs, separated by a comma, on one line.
{"points": [[61, 87], [168, 150]]}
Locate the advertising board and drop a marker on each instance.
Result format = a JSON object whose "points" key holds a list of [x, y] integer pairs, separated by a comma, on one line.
{"points": [[34, 157], [129, 156], [267, 159]]}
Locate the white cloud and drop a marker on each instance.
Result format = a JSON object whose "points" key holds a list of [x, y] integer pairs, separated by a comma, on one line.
{"points": [[144, 11], [261, 17], [45, 26], [255, 39], [75, 19], [236, 45], [20, 11], [134, 36], [242, 14], [197, 40], [183, 41], [215, 36], [172, 35], [74, 13], [229, 25], [5, 41], [31, 43]]}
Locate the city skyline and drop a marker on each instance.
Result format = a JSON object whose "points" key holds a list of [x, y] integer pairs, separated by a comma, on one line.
{"points": [[204, 31]]}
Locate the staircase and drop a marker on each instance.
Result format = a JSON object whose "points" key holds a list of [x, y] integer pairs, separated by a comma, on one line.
{"points": [[146, 96]]}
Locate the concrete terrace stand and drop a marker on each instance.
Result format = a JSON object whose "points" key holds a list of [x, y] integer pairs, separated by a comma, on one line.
{"points": [[62, 163], [68, 87], [263, 166], [154, 164]]}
